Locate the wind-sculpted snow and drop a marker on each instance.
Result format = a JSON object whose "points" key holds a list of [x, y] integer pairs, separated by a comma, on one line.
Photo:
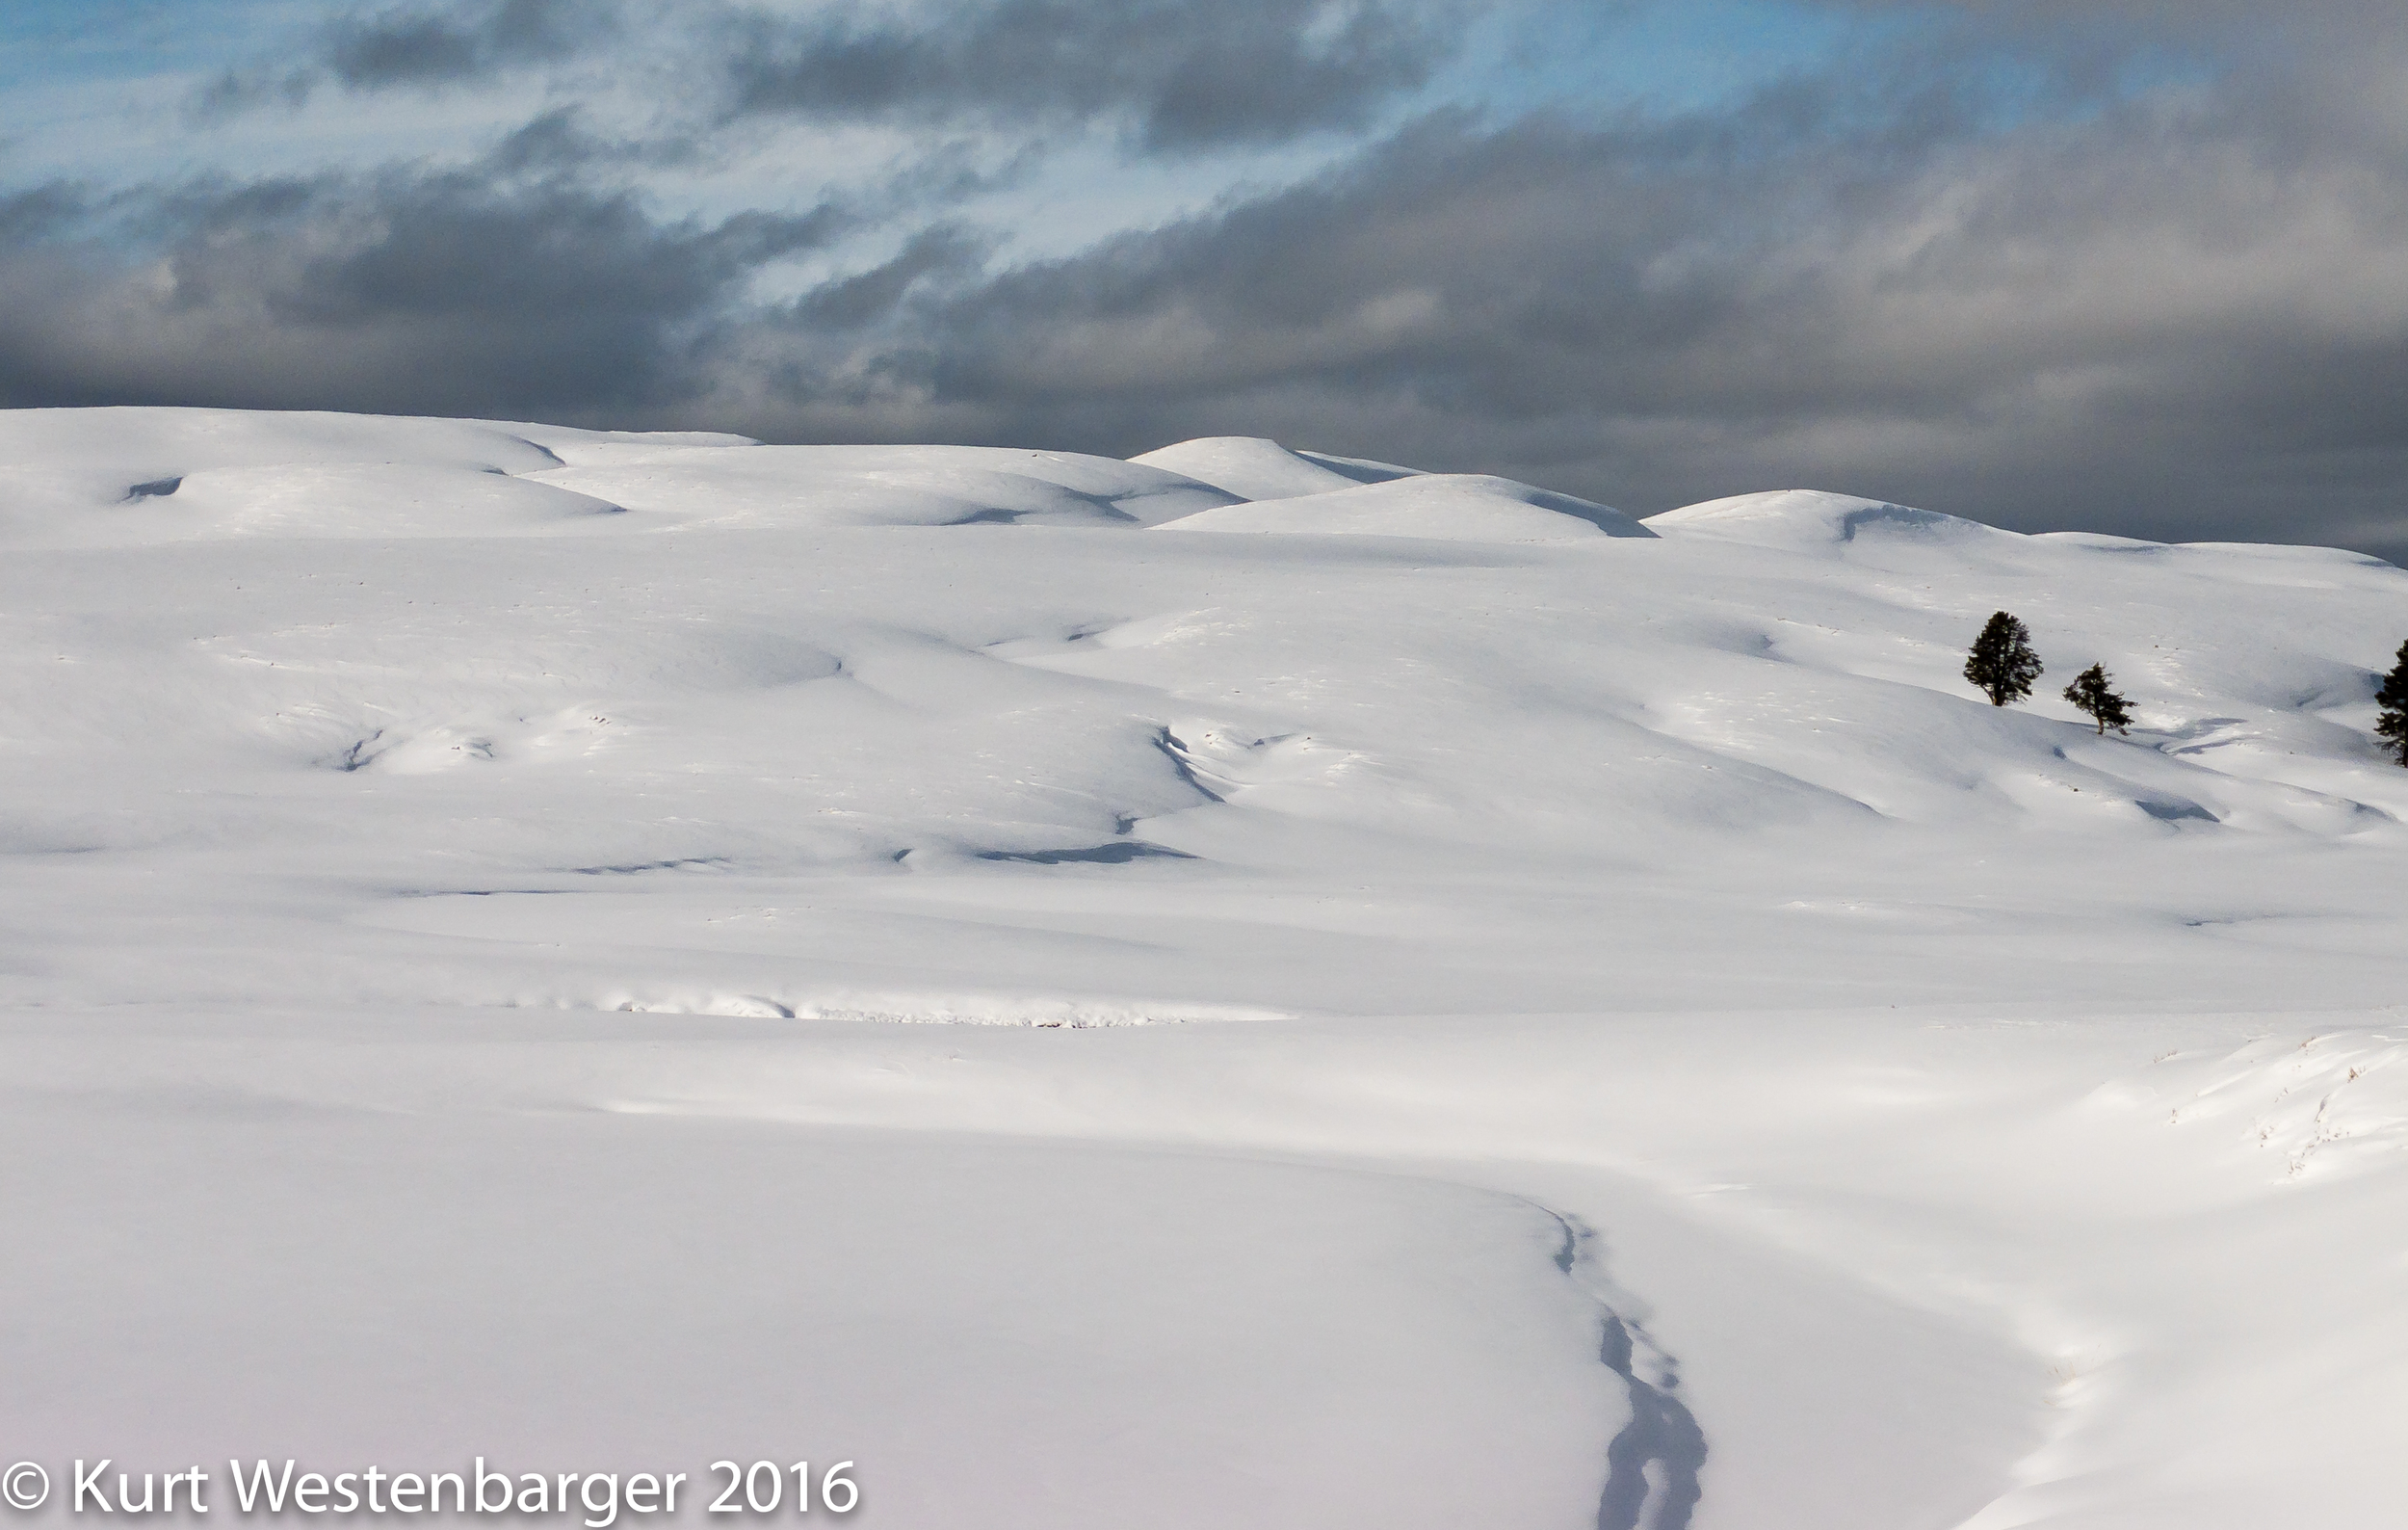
{"points": [[1805, 518], [1450, 507], [668, 870], [1250, 467], [800, 486]]}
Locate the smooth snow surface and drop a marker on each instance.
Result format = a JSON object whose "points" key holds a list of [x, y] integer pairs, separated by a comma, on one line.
{"points": [[611, 952]]}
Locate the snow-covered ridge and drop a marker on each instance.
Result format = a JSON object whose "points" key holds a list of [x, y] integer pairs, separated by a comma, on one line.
{"points": [[121, 477]]}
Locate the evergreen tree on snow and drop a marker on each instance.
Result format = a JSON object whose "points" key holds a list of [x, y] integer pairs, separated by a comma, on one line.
{"points": [[2002, 664], [2091, 693], [2393, 723]]}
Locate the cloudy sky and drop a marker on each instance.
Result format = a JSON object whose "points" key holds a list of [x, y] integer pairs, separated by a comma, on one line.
{"points": [[2137, 266]]}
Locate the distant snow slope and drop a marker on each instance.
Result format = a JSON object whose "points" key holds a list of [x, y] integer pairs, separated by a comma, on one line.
{"points": [[618, 951]]}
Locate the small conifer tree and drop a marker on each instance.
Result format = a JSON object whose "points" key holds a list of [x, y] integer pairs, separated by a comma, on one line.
{"points": [[2091, 693], [2001, 665], [2392, 724]]}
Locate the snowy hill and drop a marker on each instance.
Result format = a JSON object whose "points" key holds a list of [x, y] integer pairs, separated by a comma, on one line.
{"points": [[1636, 939]]}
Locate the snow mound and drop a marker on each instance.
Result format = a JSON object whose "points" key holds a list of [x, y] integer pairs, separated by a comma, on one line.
{"points": [[1809, 517], [887, 485], [1254, 467], [1444, 506], [127, 477], [121, 477], [309, 500], [129, 446], [1362, 469], [369, 499]]}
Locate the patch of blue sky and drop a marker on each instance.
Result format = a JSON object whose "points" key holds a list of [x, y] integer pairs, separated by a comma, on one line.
{"points": [[1644, 55], [55, 42], [2020, 89], [97, 93], [1695, 58]]}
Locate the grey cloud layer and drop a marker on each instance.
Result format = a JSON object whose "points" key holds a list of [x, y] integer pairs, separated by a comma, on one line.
{"points": [[1183, 75], [2181, 315], [418, 46], [466, 291], [403, 48], [1191, 75]]}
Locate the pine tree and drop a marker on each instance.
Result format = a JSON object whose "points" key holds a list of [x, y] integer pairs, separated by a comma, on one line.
{"points": [[2392, 722], [2091, 693], [2002, 664]]}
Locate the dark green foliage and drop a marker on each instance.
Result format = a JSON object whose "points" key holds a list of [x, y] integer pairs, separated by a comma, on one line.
{"points": [[2001, 665], [2091, 693], [2393, 723]]}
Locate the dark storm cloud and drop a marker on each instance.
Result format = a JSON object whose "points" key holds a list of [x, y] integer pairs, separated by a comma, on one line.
{"points": [[460, 291], [1187, 74], [34, 215], [559, 143], [424, 46], [1180, 75], [421, 48], [855, 302]]}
